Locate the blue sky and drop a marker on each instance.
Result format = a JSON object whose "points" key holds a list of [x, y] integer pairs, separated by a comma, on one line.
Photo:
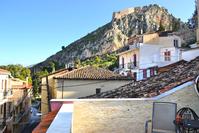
{"points": [[32, 30]]}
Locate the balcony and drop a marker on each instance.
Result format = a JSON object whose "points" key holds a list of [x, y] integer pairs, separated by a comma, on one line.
{"points": [[134, 46], [5, 94], [129, 66]]}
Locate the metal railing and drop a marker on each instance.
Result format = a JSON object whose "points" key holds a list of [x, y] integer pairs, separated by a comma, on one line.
{"points": [[5, 94], [134, 46], [130, 65]]}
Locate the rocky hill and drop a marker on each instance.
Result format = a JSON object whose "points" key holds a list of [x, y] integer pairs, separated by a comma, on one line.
{"points": [[115, 34]]}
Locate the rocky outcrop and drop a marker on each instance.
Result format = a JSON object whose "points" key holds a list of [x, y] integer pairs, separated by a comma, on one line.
{"points": [[179, 74], [114, 35]]}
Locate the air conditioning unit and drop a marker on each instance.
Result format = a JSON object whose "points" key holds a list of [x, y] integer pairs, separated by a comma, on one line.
{"points": [[197, 85]]}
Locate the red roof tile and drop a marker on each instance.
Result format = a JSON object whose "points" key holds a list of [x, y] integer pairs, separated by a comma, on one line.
{"points": [[90, 73]]}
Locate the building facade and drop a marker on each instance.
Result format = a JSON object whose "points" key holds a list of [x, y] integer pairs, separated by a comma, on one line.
{"points": [[148, 52], [5, 103], [14, 102], [78, 83]]}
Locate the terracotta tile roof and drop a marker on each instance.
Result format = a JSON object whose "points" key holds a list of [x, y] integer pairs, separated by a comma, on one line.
{"points": [[169, 67], [90, 73], [24, 86], [156, 85], [45, 122], [58, 72], [3, 71]]}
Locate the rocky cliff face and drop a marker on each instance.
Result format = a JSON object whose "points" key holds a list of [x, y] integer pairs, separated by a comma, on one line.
{"points": [[114, 35]]}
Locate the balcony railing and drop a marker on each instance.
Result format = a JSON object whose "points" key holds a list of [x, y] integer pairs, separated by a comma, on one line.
{"points": [[134, 46], [130, 65], [5, 94]]}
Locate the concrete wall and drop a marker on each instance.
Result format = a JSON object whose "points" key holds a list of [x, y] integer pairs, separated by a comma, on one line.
{"points": [[126, 116], [190, 54], [167, 41], [51, 83], [44, 96], [5, 85], [151, 38], [81, 88]]}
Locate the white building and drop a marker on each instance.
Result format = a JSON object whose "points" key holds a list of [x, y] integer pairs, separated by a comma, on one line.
{"points": [[5, 84], [148, 52]]}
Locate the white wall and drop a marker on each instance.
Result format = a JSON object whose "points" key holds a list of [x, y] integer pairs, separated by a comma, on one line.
{"points": [[3, 79], [153, 55], [190, 54], [149, 55]]}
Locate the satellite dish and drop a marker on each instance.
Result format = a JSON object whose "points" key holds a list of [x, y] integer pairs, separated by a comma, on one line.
{"points": [[197, 85]]}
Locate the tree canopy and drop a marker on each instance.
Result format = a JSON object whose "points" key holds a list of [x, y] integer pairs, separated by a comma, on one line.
{"points": [[19, 71]]}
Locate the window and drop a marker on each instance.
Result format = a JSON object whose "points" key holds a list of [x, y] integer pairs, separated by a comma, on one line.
{"points": [[152, 71], [175, 41], [122, 62], [167, 56]]}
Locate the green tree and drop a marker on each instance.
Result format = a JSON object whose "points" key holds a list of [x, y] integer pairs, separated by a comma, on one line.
{"points": [[97, 60], [161, 27], [37, 82], [77, 63], [63, 47], [18, 71], [51, 66]]}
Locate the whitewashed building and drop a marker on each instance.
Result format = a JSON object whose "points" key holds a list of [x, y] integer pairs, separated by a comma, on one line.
{"points": [[147, 52]]}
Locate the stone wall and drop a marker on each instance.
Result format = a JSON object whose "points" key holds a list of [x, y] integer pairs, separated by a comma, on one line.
{"points": [[120, 14], [125, 116]]}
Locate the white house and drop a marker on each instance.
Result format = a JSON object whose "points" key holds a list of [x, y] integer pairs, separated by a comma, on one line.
{"points": [[147, 52], [5, 84]]}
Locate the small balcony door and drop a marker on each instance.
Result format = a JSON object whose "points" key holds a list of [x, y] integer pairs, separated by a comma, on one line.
{"points": [[122, 62]]}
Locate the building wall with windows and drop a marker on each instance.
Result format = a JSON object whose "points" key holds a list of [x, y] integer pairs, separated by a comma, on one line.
{"points": [[72, 89], [155, 50], [129, 57], [5, 85]]}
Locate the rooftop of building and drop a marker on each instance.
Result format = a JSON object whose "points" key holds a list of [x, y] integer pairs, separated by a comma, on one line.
{"points": [[90, 73], [153, 86], [3, 71]]}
